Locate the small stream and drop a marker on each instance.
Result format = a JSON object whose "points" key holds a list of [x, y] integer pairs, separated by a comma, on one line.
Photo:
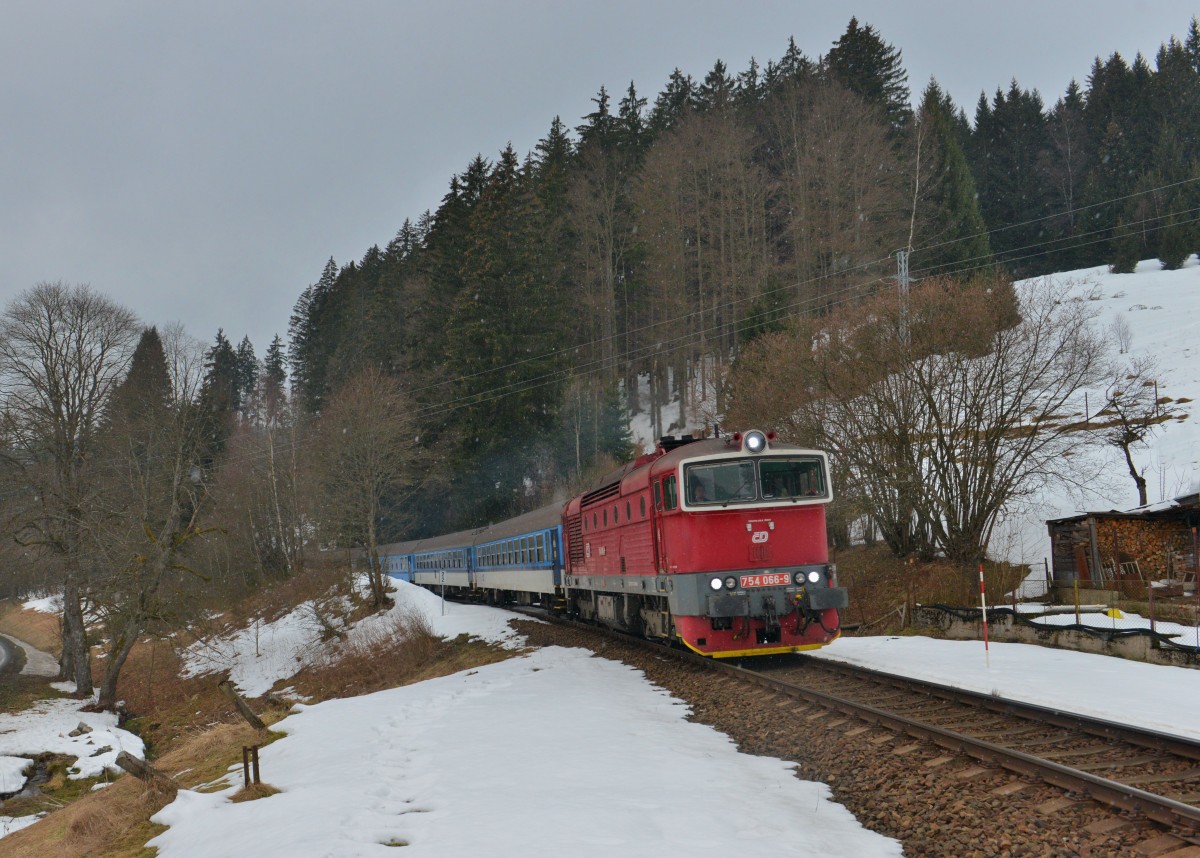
{"points": [[39, 775]]}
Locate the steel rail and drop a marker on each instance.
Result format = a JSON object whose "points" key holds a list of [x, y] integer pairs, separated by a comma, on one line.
{"points": [[1159, 808], [1142, 737]]}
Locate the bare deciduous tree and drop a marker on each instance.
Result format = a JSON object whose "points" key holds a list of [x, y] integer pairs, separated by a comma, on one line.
{"points": [[62, 350], [942, 430], [1132, 412], [367, 449], [150, 458]]}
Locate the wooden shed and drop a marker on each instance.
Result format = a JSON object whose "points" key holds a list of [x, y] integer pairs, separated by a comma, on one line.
{"points": [[1125, 550]]}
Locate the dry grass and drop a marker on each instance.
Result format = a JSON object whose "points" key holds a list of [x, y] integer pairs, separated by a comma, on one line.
{"points": [[253, 793], [399, 652], [116, 821], [18, 693], [883, 588]]}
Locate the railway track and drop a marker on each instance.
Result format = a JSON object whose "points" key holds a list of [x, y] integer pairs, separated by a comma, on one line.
{"points": [[1137, 771], [1119, 782]]}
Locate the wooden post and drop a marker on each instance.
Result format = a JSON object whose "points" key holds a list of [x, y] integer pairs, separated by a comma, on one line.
{"points": [[243, 708], [250, 764], [143, 771]]}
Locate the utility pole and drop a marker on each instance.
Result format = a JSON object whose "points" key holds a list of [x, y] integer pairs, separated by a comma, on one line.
{"points": [[902, 285]]}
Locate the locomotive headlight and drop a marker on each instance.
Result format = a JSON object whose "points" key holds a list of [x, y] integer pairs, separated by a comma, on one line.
{"points": [[798, 578], [715, 583], [730, 582], [755, 441], [814, 576]]}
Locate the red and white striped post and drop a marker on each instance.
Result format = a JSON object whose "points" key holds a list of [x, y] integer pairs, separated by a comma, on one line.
{"points": [[983, 603]]}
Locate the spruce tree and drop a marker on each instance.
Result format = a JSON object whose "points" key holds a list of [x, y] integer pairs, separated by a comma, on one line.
{"points": [[1008, 154], [871, 68], [716, 92], [220, 397], [502, 338], [950, 231], [145, 394], [676, 99], [247, 370], [274, 377]]}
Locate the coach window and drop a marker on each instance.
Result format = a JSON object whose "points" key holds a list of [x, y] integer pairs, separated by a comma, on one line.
{"points": [[657, 497], [669, 492]]}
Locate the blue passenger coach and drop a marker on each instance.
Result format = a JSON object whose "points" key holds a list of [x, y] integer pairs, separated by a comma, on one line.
{"points": [[517, 560]]}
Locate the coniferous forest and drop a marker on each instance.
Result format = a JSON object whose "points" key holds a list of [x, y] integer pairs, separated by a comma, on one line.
{"points": [[663, 232]]}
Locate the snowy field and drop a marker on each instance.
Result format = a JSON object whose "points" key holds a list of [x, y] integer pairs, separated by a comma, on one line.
{"points": [[560, 752]]}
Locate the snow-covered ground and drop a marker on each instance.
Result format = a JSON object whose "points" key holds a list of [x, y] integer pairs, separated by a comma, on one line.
{"points": [[58, 726], [560, 752]]}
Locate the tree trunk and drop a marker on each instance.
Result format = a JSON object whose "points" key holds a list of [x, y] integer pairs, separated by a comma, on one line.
{"points": [[116, 661], [76, 656], [1138, 479]]}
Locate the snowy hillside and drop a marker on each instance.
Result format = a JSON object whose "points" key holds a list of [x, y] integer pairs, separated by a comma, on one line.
{"points": [[1161, 313]]}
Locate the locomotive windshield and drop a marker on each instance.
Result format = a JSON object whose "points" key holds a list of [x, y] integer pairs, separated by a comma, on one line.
{"points": [[755, 480]]}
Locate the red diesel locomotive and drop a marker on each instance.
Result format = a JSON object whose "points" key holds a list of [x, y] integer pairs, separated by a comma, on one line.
{"points": [[717, 542]]}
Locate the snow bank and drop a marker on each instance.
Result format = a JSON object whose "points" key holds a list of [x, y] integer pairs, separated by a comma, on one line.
{"points": [[556, 752], [262, 654], [47, 725]]}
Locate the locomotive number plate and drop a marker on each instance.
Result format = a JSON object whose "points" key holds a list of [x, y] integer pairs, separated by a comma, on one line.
{"points": [[772, 579]]}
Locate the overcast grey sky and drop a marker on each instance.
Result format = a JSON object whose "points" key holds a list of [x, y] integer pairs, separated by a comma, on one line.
{"points": [[199, 161]]}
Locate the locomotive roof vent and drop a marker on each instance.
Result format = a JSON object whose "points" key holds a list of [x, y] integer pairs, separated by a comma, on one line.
{"points": [[670, 442]]}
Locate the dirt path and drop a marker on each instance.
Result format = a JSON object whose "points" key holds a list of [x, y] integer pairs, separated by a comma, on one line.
{"points": [[37, 663]]}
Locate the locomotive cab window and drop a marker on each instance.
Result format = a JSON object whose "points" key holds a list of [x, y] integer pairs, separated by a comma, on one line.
{"points": [[721, 482], [755, 480]]}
